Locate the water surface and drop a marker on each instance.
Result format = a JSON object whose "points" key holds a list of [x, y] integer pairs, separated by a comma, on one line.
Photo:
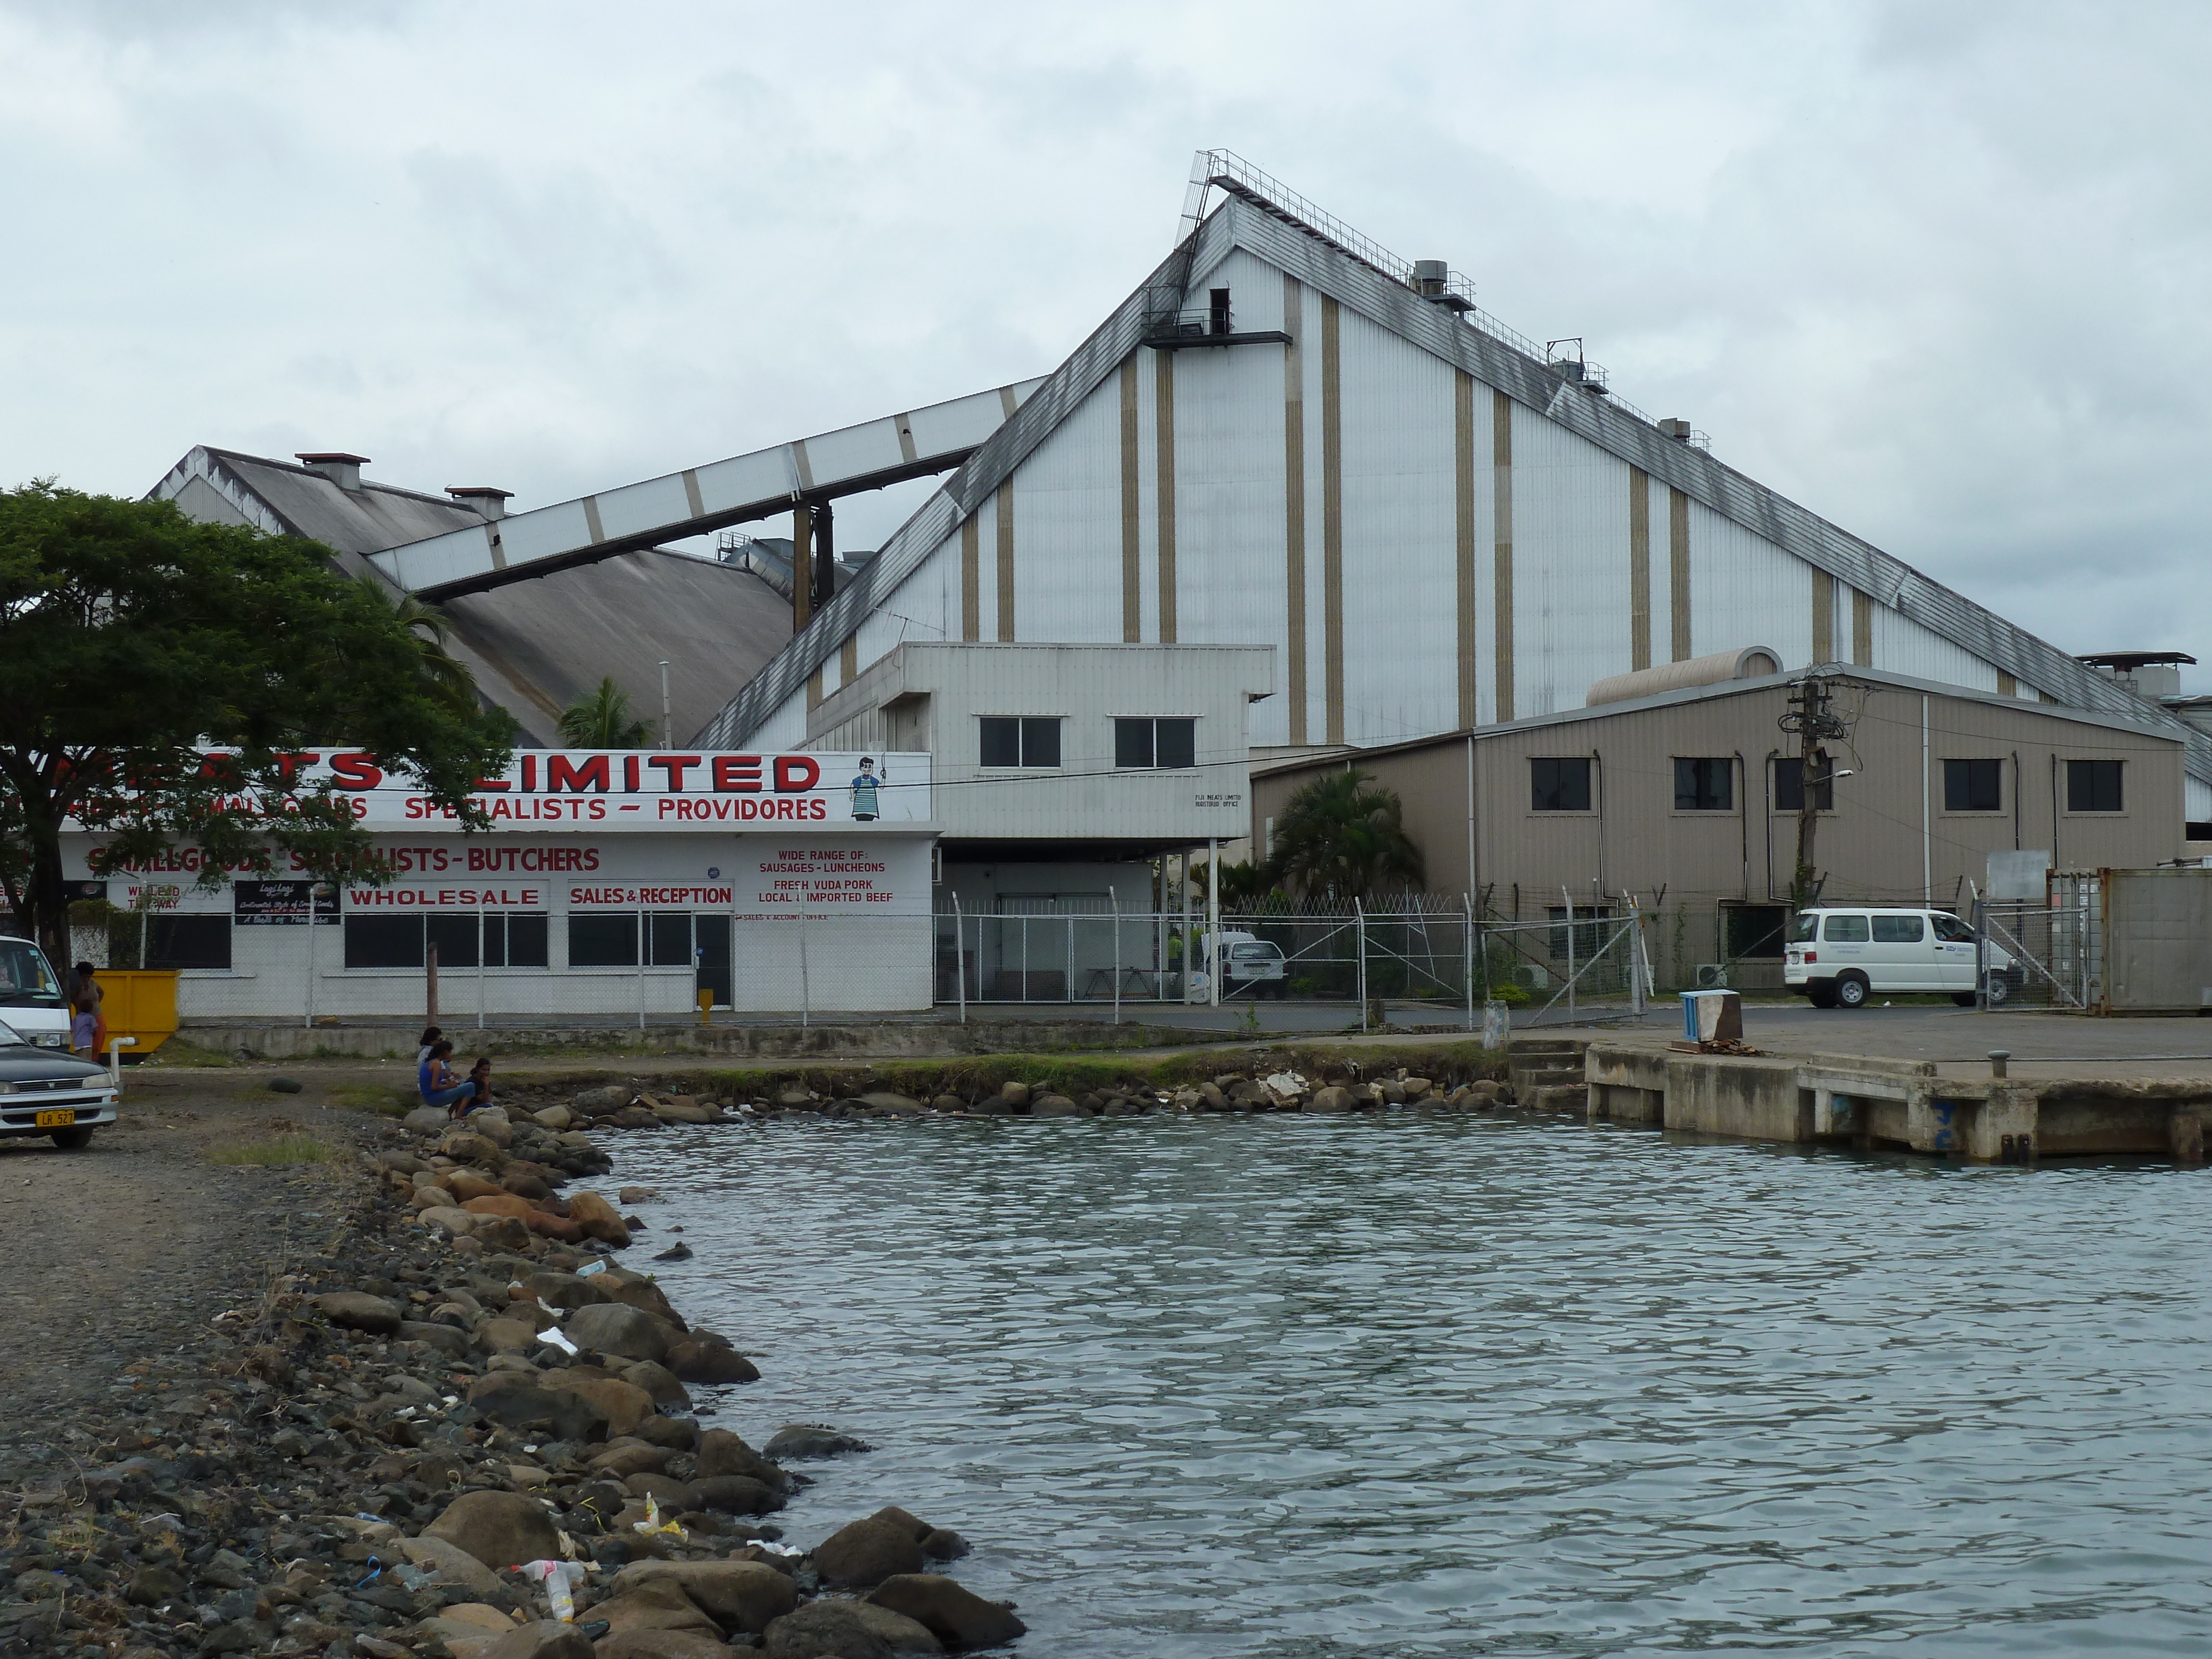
{"points": [[1414, 1385]]}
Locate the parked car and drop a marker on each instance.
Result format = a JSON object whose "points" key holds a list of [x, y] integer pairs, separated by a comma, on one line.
{"points": [[1839, 956], [43, 1092], [1251, 966], [30, 996]]}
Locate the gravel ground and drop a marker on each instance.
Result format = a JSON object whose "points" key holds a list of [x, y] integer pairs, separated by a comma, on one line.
{"points": [[118, 1255]]}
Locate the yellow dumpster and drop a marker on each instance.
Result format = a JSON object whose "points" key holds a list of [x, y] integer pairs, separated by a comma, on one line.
{"points": [[141, 1002]]}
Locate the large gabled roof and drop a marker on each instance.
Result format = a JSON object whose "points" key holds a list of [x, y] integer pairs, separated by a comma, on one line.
{"points": [[1362, 284], [539, 645]]}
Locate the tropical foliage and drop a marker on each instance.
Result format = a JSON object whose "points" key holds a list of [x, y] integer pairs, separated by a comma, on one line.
{"points": [[603, 720], [1340, 838]]}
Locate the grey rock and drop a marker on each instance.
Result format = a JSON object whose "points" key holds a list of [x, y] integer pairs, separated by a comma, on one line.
{"points": [[955, 1614], [611, 1328], [500, 1529], [796, 1441], [866, 1553], [357, 1310]]}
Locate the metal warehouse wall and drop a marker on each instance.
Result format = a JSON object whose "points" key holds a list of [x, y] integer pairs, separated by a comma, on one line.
{"points": [[1872, 845]]}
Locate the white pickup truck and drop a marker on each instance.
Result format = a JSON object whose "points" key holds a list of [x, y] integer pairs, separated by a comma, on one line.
{"points": [[1839, 956]]}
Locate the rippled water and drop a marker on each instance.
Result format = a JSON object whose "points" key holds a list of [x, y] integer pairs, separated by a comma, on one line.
{"points": [[1410, 1385]]}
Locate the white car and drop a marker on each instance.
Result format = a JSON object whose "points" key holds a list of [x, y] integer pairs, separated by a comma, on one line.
{"points": [[1253, 967], [1839, 956], [30, 996], [43, 1092]]}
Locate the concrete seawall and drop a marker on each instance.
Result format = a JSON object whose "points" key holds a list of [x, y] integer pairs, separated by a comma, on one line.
{"points": [[872, 1040], [1858, 1101]]}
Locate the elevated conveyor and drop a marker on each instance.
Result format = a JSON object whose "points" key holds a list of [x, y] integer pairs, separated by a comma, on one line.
{"points": [[916, 444]]}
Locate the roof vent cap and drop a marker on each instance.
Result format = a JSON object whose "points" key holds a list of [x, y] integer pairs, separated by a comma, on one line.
{"points": [[492, 502], [1430, 276], [340, 468]]}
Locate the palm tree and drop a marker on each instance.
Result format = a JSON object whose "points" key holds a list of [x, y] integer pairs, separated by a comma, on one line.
{"points": [[603, 720], [434, 634], [1339, 839], [1244, 887]]}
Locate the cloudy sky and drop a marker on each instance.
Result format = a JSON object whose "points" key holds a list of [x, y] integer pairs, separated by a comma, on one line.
{"points": [[1941, 272]]}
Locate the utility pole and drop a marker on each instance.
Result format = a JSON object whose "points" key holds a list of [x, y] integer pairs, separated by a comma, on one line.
{"points": [[1808, 717]]}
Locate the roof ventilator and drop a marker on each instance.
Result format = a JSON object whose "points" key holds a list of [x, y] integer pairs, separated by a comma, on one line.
{"points": [[340, 468], [1575, 369], [492, 502]]}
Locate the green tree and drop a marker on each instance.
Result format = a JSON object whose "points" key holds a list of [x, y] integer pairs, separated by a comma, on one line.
{"points": [[1338, 838], [133, 640], [432, 631], [603, 720], [1244, 887]]}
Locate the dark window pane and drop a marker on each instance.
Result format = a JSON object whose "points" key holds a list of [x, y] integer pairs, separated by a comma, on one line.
{"points": [[1041, 742], [1973, 786], [1898, 930], [526, 942], [671, 939], [603, 941], [1754, 931], [1178, 743], [1002, 741], [1704, 784], [1846, 930], [2093, 785], [188, 941], [455, 938], [1559, 785], [1789, 786], [1132, 743], [374, 941]]}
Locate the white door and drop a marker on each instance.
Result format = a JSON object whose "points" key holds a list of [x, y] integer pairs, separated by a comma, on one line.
{"points": [[1954, 953], [1907, 953]]}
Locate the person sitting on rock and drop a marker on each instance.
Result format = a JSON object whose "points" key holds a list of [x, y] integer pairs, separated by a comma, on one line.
{"points": [[480, 1087], [434, 1080]]}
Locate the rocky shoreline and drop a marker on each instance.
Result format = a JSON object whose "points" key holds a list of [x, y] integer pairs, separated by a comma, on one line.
{"points": [[459, 1421]]}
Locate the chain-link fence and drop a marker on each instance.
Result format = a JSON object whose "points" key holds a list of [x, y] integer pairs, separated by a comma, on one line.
{"points": [[2041, 955], [1452, 960]]}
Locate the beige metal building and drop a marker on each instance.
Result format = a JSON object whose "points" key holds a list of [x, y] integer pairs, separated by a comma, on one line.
{"points": [[1688, 799]]}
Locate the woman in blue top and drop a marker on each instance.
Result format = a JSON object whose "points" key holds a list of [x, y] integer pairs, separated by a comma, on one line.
{"points": [[434, 1081]]}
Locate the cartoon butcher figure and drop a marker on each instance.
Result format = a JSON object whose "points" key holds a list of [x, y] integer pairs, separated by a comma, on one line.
{"points": [[864, 793]]}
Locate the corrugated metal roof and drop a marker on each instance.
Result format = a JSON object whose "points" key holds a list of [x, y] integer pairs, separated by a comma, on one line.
{"points": [[539, 645], [1496, 363]]}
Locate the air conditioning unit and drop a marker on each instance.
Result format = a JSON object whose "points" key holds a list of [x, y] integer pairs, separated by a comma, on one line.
{"points": [[1713, 975], [1532, 977]]}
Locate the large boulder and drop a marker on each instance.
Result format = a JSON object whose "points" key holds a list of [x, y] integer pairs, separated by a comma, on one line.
{"points": [[572, 1415], [447, 1217], [357, 1310], [599, 1218], [743, 1596], [955, 1614], [797, 1440], [654, 1604], [464, 1147], [465, 1184], [567, 1291], [611, 1327], [867, 1552], [624, 1405], [737, 1494], [658, 1382], [635, 1290], [709, 1361], [825, 1630], [721, 1452], [549, 1639], [636, 1644], [452, 1563], [500, 1529], [600, 1102], [426, 1119], [1332, 1099], [625, 1458]]}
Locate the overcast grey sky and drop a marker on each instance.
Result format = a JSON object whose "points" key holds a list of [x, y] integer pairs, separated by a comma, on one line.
{"points": [[1939, 271]]}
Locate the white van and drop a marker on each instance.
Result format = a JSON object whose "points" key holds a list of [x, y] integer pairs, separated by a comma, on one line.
{"points": [[30, 996], [1252, 966], [1839, 958]]}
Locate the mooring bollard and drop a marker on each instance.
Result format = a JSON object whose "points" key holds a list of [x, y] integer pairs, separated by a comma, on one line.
{"points": [[1997, 1059]]}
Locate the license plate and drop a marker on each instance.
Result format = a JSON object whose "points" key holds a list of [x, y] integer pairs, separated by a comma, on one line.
{"points": [[56, 1119]]}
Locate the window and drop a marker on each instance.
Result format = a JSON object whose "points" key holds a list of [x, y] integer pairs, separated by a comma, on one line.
{"points": [[1846, 930], [517, 940], [1790, 787], [1560, 785], [1165, 744], [188, 942], [1898, 930], [1807, 930], [671, 939], [1030, 740], [2093, 785], [603, 941], [1952, 931], [1705, 785], [1973, 786], [1753, 931]]}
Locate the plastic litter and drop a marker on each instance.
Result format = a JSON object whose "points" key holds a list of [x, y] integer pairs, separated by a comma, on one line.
{"points": [[555, 1337], [653, 1523], [586, 1271], [559, 1578]]}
